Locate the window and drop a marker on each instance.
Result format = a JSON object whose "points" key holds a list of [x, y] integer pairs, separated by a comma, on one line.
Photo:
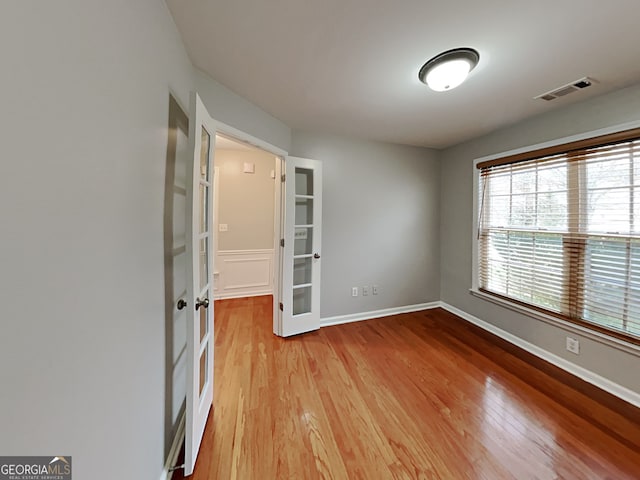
{"points": [[559, 231]]}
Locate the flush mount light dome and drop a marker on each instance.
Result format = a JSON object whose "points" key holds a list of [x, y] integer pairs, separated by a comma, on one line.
{"points": [[449, 69]]}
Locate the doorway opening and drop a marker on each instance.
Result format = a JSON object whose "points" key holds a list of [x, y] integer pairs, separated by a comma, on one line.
{"points": [[246, 219]]}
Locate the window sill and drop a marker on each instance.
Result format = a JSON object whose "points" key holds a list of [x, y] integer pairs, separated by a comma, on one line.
{"points": [[557, 322]]}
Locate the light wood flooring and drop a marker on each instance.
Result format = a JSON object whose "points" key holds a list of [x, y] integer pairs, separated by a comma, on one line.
{"points": [[413, 396]]}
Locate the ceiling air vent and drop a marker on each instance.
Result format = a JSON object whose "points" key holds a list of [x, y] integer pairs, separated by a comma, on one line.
{"points": [[566, 89]]}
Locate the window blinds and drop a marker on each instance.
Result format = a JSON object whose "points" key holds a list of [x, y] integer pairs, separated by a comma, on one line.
{"points": [[561, 232]]}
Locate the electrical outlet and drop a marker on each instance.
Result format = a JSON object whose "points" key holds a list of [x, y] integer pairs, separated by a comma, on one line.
{"points": [[573, 345], [223, 227], [365, 291], [374, 289], [354, 291]]}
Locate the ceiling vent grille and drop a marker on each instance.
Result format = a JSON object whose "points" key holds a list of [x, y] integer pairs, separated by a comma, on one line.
{"points": [[584, 82]]}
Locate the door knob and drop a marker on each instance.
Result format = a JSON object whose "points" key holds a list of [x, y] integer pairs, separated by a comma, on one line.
{"points": [[202, 303], [181, 304], [316, 255]]}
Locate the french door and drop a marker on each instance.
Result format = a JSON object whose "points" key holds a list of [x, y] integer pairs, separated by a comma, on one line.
{"points": [[199, 305], [300, 292]]}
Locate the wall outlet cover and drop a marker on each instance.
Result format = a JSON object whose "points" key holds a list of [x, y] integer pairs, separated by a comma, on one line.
{"points": [[573, 345]]}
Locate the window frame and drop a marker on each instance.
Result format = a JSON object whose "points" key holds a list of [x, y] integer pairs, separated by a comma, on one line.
{"points": [[560, 145]]}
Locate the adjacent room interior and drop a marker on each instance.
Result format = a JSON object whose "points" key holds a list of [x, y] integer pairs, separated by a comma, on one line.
{"points": [[245, 204]]}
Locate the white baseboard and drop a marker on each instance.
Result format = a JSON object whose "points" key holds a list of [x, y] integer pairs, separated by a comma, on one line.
{"points": [[587, 375], [356, 317], [176, 445], [255, 293]]}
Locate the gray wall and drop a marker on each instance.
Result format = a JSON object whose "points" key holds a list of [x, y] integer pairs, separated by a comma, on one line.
{"points": [[85, 101], [233, 110], [380, 217], [246, 200], [456, 226]]}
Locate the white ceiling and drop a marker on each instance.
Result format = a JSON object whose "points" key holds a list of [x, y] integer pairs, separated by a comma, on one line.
{"points": [[350, 66]]}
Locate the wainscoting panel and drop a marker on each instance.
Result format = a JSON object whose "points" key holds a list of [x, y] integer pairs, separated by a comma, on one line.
{"points": [[243, 273]]}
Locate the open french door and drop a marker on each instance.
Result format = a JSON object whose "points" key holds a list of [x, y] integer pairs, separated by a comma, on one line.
{"points": [[302, 233], [199, 305]]}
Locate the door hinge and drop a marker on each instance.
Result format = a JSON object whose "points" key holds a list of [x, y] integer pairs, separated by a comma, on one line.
{"points": [[283, 178], [281, 307], [282, 242]]}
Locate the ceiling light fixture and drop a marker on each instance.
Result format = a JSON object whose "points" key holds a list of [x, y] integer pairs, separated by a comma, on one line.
{"points": [[449, 69]]}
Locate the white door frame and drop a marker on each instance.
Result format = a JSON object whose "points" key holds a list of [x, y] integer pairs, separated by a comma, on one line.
{"points": [[278, 229], [215, 232]]}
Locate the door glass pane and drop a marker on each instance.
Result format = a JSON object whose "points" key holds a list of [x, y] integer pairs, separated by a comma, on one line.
{"points": [[303, 241], [204, 263], [301, 300], [203, 370], [302, 270], [304, 211], [304, 181], [204, 155], [203, 321], [204, 210]]}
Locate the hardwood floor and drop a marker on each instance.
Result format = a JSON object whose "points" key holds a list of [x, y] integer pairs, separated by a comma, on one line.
{"points": [[413, 396]]}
